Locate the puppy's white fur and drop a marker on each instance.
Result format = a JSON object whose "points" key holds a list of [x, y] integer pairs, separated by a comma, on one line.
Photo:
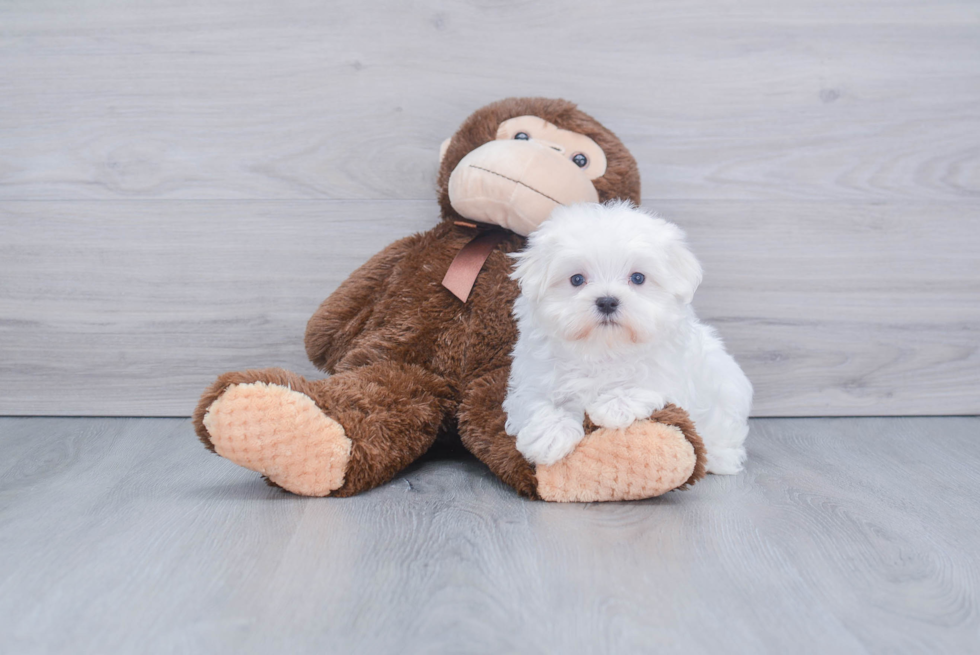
{"points": [[571, 359]]}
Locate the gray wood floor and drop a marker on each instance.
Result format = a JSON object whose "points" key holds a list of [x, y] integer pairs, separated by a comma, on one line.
{"points": [[842, 536]]}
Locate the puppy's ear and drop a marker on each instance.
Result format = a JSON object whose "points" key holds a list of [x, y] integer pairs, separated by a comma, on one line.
{"points": [[531, 271], [681, 273]]}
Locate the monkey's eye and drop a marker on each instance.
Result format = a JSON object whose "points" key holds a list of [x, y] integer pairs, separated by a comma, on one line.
{"points": [[521, 136], [638, 278], [580, 160], [577, 280]]}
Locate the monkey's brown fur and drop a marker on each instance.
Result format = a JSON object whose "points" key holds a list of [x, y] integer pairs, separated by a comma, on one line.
{"points": [[408, 359]]}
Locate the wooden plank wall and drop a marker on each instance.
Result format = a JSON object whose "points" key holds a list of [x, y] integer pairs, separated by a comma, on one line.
{"points": [[182, 183]]}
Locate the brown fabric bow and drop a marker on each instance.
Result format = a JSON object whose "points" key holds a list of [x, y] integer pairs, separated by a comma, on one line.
{"points": [[466, 266]]}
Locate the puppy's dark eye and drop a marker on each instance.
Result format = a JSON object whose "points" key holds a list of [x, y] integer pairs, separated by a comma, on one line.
{"points": [[638, 278], [521, 136], [577, 280], [580, 160]]}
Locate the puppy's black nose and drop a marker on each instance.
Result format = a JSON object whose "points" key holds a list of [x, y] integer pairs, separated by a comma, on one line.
{"points": [[607, 304]]}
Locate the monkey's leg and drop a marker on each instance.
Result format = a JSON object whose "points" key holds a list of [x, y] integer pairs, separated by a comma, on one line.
{"points": [[481, 429], [646, 459], [338, 437]]}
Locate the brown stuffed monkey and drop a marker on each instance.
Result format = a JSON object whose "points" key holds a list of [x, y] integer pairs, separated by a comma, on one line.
{"points": [[417, 341]]}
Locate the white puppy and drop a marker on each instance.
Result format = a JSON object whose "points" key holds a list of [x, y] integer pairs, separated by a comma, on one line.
{"points": [[607, 329]]}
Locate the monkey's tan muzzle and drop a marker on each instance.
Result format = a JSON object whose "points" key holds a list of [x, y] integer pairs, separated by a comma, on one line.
{"points": [[516, 184]]}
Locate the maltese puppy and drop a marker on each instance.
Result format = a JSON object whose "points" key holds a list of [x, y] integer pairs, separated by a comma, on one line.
{"points": [[607, 329]]}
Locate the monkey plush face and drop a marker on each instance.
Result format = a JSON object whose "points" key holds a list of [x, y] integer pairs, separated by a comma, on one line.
{"points": [[517, 179], [514, 161]]}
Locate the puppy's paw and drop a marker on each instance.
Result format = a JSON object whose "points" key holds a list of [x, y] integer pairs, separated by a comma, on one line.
{"points": [[548, 438], [645, 403], [725, 461], [612, 412], [621, 410]]}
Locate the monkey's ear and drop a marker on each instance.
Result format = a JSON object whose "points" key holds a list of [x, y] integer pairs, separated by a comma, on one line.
{"points": [[443, 148]]}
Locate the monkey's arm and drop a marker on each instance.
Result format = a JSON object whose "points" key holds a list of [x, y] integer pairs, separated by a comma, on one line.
{"points": [[342, 316]]}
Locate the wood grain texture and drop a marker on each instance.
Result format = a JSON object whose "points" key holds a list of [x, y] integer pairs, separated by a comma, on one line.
{"points": [[181, 184], [842, 536], [132, 308], [839, 100]]}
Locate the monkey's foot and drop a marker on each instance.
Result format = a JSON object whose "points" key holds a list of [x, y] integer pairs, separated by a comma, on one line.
{"points": [[281, 434], [643, 460]]}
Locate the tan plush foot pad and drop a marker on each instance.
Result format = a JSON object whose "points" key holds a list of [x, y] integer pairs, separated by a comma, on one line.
{"points": [[646, 459], [281, 434]]}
